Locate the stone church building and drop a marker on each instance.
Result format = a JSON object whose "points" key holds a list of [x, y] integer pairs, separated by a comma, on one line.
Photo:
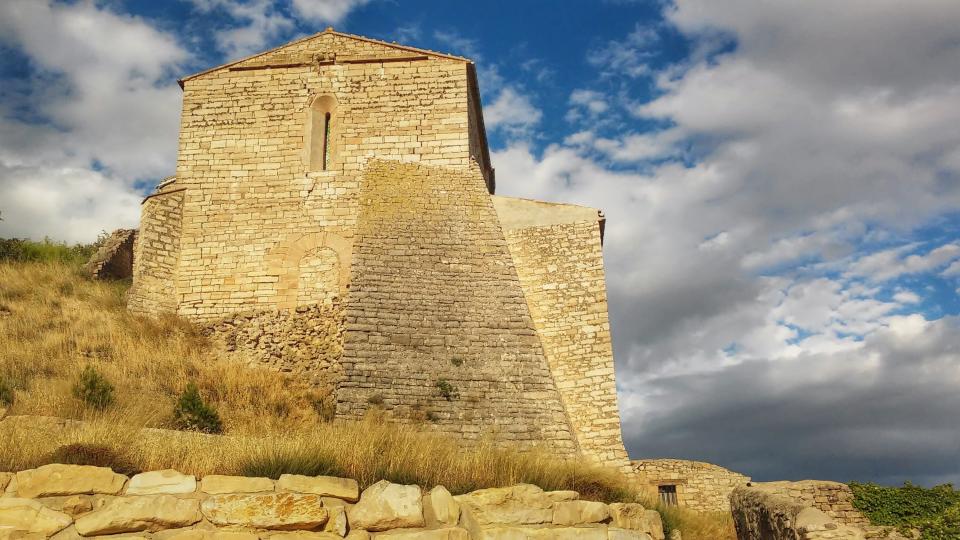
{"points": [[333, 208]]}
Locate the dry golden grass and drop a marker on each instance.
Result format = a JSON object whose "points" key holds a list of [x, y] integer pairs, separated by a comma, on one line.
{"points": [[54, 322]]}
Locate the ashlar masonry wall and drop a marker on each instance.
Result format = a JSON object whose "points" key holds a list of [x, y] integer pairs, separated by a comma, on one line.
{"points": [[700, 486], [252, 191], [560, 268], [156, 252], [436, 317]]}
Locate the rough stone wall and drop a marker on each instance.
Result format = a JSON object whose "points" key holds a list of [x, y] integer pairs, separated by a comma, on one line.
{"points": [[703, 487], [832, 498], [114, 259], [251, 194], [78, 501], [434, 301], [561, 272], [156, 251], [305, 342], [762, 512]]}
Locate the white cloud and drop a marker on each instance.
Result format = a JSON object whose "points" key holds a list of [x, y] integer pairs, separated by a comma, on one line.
{"points": [[627, 57], [101, 81], [326, 11], [261, 22], [512, 112], [590, 101], [892, 263]]}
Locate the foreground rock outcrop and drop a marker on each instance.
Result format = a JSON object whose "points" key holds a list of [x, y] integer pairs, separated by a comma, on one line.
{"points": [[67, 502]]}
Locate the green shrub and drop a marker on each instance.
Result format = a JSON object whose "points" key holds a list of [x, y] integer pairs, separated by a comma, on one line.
{"points": [[93, 389], [6, 393], [23, 250], [193, 414], [935, 512], [447, 391]]}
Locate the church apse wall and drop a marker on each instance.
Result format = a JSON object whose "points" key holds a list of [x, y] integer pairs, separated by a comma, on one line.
{"points": [[331, 218]]}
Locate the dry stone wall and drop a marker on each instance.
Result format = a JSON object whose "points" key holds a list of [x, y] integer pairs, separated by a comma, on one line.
{"points": [[832, 498], [700, 486], [436, 317], [114, 259], [305, 343], [762, 512], [561, 272], [78, 501]]}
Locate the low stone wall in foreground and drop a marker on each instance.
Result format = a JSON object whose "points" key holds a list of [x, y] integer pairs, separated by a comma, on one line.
{"points": [[770, 512], [79, 501]]}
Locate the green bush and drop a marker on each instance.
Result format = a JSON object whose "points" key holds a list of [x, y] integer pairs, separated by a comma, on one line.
{"points": [[193, 414], [93, 389], [446, 390], [935, 512], [23, 250]]}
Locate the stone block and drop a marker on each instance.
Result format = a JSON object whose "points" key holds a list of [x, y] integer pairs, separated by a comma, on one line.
{"points": [[139, 513], [327, 486], [216, 484], [277, 511], [385, 506], [27, 516], [159, 482], [56, 479]]}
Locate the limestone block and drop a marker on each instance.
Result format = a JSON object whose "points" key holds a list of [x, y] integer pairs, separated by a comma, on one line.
{"points": [[635, 517], [4, 480], [77, 504], [358, 535], [523, 504], [565, 495], [517, 532], [327, 486], [278, 511], [29, 516], [209, 534], [448, 533], [579, 512], [301, 535], [159, 482], [337, 523], [386, 506], [216, 484], [440, 508], [140, 513], [615, 533], [51, 480]]}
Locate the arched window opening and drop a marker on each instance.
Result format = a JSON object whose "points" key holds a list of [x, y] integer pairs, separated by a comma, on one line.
{"points": [[321, 135]]}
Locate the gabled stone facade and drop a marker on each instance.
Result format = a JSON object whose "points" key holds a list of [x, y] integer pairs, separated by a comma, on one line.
{"points": [[343, 175]]}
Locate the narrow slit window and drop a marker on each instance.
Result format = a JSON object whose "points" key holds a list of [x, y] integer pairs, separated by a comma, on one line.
{"points": [[668, 494], [326, 141], [322, 147]]}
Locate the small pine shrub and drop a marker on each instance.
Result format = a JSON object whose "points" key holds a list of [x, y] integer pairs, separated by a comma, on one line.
{"points": [[93, 389], [447, 391], [456, 361], [193, 414], [375, 400]]}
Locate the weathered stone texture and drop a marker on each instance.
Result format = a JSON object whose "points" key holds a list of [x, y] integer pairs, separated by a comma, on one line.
{"points": [[832, 498], [700, 486], [561, 271], [435, 299], [306, 342], [114, 259], [761, 515]]}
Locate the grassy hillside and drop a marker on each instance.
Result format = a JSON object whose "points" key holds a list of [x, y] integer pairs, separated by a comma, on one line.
{"points": [[69, 348]]}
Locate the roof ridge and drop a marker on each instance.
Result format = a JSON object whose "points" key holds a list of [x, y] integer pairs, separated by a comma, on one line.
{"points": [[328, 30]]}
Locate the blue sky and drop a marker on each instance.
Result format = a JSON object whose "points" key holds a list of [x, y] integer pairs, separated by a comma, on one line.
{"points": [[781, 181]]}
